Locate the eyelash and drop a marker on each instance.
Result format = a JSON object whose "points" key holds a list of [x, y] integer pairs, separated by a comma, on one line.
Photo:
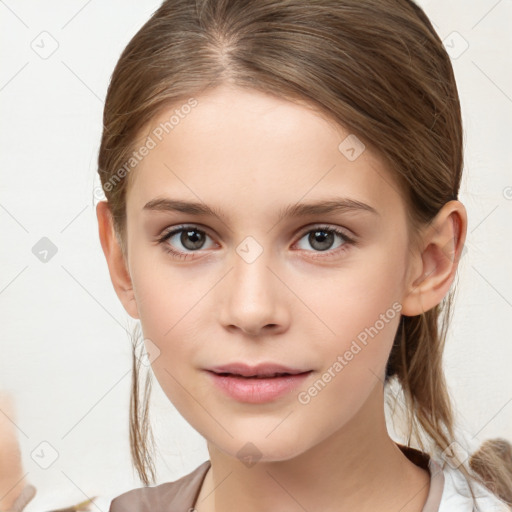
{"points": [[348, 241]]}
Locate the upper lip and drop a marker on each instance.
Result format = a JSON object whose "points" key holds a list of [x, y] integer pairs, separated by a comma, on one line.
{"points": [[260, 370]]}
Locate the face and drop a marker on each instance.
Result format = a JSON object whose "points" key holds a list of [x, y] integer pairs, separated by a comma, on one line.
{"points": [[261, 280]]}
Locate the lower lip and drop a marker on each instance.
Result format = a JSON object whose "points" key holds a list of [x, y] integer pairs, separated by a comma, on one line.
{"points": [[257, 391]]}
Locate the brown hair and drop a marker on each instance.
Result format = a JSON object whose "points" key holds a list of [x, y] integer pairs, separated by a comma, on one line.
{"points": [[376, 67]]}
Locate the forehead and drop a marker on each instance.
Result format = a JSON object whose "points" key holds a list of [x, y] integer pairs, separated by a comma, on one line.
{"points": [[240, 146]]}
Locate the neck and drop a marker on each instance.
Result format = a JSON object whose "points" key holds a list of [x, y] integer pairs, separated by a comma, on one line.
{"points": [[359, 467]]}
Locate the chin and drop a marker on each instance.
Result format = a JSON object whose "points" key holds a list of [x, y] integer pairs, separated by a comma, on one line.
{"points": [[255, 447]]}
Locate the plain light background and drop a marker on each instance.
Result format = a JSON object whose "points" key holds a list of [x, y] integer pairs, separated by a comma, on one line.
{"points": [[65, 349]]}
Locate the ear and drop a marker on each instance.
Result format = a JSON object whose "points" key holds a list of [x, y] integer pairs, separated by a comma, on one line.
{"points": [[435, 262], [117, 265]]}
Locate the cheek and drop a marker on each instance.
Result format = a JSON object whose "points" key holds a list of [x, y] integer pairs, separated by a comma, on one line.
{"points": [[354, 357], [171, 309], [348, 301], [164, 294], [359, 309]]}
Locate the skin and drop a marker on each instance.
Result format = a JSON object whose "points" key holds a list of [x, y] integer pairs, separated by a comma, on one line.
{"points": [[249, 154]]}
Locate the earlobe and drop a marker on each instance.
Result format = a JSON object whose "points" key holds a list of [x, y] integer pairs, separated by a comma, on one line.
{"points": [[437, 262], [116, 262]]}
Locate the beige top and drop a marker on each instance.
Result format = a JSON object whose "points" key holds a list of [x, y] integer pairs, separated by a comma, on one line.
{"points": [[181, 495]]}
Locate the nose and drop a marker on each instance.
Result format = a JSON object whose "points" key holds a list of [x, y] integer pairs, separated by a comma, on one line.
{"points": [[253, 298]]}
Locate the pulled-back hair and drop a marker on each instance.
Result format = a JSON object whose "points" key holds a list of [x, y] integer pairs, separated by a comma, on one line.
{"points": [[376, 67]]}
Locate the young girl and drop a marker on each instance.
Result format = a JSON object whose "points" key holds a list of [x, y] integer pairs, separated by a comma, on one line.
{"points": [[282, 216]]}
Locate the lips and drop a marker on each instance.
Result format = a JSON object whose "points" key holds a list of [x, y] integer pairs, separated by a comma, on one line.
{"points": [[260, 371], [257, 384]]}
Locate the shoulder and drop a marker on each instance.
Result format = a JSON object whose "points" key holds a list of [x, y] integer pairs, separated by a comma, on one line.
{"points": [[168, 497], [457, 495], [449, 490]]}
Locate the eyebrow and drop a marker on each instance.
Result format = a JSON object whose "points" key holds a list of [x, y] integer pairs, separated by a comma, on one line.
{"points": [[322, 207]]}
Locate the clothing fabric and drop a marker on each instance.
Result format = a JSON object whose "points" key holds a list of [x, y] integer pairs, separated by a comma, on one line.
{"points": [[448, 491]]}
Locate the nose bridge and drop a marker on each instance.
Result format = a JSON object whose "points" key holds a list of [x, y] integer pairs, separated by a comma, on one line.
{"points": [[252, 299], [252, 279]]}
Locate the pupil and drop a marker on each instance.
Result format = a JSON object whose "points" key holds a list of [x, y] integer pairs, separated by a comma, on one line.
{"points": [[191, 239], [321, 240]]}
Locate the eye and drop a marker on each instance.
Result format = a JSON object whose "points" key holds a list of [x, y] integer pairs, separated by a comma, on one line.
{"points": [[322, 239], [190, 238]]}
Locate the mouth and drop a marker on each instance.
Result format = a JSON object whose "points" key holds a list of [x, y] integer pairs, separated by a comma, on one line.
{"points": [[257, 384]]}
